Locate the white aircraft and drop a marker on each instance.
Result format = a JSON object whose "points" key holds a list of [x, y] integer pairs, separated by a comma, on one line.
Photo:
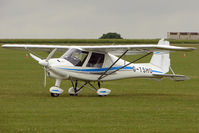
{"points": [[100, 63]]}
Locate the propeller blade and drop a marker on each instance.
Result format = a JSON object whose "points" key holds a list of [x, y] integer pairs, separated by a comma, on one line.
{"points": [[51, 54], [45, 74], [35, 57], [44, 63]]}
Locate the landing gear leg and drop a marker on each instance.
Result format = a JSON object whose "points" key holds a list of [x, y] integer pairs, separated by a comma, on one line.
{"points": [[99, 85], [74, 91]]}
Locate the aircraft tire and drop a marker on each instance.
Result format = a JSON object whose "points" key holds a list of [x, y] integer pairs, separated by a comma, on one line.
{"points": [[54, 94], [73, 94], [102, 95]]}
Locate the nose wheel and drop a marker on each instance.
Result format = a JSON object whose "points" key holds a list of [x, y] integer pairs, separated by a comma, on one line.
{"points": [[55, 91]]}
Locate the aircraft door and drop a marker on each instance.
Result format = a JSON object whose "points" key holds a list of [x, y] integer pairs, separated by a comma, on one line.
{"points": [[96, 60]]}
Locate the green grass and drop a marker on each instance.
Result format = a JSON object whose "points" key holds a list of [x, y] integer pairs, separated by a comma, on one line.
{"points": [[134, 105]]}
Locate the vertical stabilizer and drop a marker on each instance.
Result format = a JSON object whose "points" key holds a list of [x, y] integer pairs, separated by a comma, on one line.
{"points": [[161, 59]]}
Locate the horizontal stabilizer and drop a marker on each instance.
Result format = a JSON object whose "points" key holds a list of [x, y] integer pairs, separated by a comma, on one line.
{"points": [[172, 77]]}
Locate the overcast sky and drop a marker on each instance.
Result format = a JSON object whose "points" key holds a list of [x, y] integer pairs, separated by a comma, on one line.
{"points": [[92, 18]]}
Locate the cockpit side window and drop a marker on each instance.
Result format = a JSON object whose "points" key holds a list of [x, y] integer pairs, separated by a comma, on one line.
{"points": [[96, 60], [75, 56]]}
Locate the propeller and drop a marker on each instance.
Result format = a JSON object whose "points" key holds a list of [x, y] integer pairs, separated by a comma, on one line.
{"points": [[45, 75], [44, 63], [51, 54], [35, 57]]}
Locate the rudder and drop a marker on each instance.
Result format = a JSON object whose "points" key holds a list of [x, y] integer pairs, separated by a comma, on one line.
{"points": [[161, 59]]}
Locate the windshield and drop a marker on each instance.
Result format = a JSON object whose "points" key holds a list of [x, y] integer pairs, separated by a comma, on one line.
{"points": [[75, 56]]}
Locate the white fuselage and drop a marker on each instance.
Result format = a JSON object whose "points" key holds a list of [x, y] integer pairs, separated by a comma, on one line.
{"points": [[61, 68]]}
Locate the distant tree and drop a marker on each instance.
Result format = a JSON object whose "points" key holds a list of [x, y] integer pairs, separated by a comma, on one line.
{"points": [[111, 35]]}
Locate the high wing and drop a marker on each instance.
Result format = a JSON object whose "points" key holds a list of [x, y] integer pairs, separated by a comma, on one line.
{"points": [[134, 49], [38, 47], [114, 49]]}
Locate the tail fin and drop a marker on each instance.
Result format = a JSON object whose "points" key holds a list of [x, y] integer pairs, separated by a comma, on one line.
{"points": [[161, 59]]}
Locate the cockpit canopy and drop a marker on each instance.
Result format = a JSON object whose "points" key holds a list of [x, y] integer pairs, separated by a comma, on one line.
{"points": [[77, 57]]}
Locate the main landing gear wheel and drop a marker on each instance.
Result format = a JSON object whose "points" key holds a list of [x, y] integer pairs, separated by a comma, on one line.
{"points": [[73, 92], [103, 92], [54, 94]]}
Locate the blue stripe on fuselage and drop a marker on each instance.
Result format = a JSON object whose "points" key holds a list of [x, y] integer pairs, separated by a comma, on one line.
{"points": [[98, 69], [104, 69], [156, 71]]}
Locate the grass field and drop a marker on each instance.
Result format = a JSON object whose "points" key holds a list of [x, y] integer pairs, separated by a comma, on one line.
{"points": [[134, 105]]}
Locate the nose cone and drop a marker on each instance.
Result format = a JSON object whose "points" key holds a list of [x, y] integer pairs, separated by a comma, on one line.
{"points": [[43, 62], [55, 66]]}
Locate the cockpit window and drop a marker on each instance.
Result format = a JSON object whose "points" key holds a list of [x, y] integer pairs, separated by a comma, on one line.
{"points": [[75, 56], [96, 60]]}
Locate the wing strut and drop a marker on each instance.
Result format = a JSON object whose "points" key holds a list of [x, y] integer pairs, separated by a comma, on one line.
{"points": [[112, 65], [33, 53], [103, 76]]}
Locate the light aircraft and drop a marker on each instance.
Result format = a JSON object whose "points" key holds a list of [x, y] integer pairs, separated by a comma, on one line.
{"points": [[102, 63]]}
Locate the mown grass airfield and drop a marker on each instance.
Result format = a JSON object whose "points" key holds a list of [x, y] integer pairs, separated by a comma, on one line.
{"points": [[135, 105]]}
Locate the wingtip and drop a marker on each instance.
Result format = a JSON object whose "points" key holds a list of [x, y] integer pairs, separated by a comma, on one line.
{"points": [[191, 48], [3, 46], [194, 48], [7, 45]]}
